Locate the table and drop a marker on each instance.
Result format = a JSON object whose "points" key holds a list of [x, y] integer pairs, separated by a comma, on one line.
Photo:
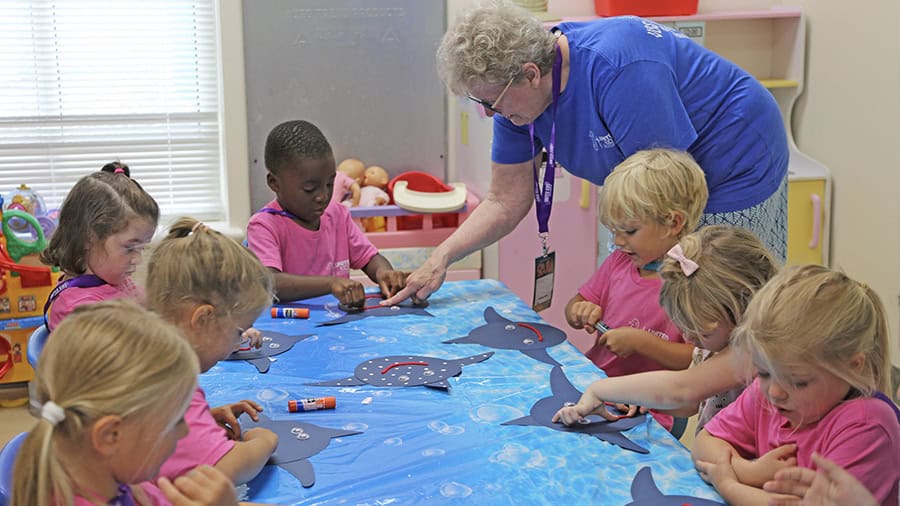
{"points": [[427, 446]]}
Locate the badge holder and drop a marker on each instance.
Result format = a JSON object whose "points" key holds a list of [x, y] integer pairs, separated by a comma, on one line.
{"points": [[544, 268]]}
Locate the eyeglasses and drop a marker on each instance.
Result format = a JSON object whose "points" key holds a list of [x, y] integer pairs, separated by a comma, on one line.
{"points": [[488, 105]]}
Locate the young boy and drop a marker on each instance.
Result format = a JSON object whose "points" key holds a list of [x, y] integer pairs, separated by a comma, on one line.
{"points": [[308, 242]]}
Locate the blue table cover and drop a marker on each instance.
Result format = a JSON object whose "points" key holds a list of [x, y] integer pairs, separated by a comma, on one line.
{"points": [[426, 446]]}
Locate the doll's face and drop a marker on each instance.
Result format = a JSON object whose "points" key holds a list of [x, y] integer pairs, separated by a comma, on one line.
{"points": [[376, 176], [353, 168]]}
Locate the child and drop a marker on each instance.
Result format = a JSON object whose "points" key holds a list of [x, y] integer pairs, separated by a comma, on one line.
{"points": [[649, 201], [818, 341], [708, 280], [102, 433], [309, 243], [105, 222], [211, 288]]}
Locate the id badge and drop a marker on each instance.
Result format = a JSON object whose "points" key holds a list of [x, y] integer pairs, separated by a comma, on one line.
{"points": [[543, 281]]}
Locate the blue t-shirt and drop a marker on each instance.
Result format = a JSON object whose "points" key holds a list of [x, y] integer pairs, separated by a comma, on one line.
{"points": [[634, 84]]}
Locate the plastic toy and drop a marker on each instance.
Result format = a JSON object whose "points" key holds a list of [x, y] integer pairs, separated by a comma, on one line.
{"points": [[372, 194], [349, 178], [428, 194], [28, 201], [24, 282]]}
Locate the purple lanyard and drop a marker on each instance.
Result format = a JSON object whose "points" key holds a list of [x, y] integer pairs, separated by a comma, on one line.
{"points": [[125, 497], [279, 212], [543, 196], [83, 281]]}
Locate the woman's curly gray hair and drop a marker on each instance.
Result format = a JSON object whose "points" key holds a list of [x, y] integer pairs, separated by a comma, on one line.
{"points": [[489, 44]]}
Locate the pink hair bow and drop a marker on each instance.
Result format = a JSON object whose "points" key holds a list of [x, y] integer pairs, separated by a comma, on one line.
{"points": [[688, 266]]}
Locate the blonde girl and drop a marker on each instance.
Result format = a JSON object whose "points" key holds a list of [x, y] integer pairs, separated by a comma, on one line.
{"points": [[105, 222], [111, 390], [212, 289], [709, 279], [818, 343]]}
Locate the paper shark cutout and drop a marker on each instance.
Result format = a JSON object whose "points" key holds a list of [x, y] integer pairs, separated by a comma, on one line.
{"points": [[297, 441], [543, 410], [645, 493], [406, 371], [505, 334], [404, 308], [274, 343]]}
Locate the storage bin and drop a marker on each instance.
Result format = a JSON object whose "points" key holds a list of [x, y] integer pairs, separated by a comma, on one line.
{"points": [[645, 7]]}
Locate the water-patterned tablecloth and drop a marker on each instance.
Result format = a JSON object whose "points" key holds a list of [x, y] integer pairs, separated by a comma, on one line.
{"points": [[425, 446]]}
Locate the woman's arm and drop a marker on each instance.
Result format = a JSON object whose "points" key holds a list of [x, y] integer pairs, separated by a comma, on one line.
{"points": [[508, 200]]}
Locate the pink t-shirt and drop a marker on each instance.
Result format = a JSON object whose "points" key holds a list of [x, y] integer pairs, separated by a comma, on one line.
{"points": [[206, 442], [861, 435], [338, 246], [628, 300], [72, 297]]}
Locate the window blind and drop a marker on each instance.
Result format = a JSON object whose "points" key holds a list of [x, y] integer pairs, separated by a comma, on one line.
{"points": [[88, 82]]}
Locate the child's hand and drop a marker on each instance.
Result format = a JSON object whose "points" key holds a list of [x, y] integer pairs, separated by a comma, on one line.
{"points": [[254, 336], [202, 486], [348, 292], [572, 414], [831, 485], [227, 416], [717, 472], [584, 314], [631, 410], [622, 341], [391, 282], [757, 472], [262, 434]]}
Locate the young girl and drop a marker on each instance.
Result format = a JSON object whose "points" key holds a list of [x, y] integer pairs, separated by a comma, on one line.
{"points": [[309, 243], [708, 281], [818, 341], [112, 390], [649, 201], [104, 224], [211, 288]]}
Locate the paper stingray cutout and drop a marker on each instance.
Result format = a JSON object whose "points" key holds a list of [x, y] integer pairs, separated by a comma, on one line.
{"points": [[543, 410], [406, 371], [645, 492], [530, 338], [274, 343], [297, 441], [405, 307]]}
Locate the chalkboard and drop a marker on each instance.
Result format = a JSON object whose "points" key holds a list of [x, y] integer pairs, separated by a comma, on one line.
{"points": [[363, 71]]}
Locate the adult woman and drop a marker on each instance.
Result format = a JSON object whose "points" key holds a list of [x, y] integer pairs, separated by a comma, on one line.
{"points": [[625, 84]]}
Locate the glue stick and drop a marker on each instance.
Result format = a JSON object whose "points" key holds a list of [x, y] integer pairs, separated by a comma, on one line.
{"points": [[290, 312], [312, 404]]}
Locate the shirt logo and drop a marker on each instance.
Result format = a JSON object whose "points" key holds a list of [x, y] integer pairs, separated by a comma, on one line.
{"points": [[598, 141]]}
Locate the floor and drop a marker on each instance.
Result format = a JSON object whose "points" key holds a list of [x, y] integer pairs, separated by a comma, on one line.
{"points": [[14, 415]]}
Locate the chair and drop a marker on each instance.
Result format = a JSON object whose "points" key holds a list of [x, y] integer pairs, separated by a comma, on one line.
{"points": [[7, 461], [36, 343]]}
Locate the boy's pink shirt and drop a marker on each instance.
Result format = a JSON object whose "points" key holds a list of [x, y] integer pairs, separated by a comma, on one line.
{"points": [[627, 300], [206, 442], [71, 298], [338, 246], [861, 435]]}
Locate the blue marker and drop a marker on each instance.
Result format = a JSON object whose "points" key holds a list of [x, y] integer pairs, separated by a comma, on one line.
{"points": [[601, 327]]}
